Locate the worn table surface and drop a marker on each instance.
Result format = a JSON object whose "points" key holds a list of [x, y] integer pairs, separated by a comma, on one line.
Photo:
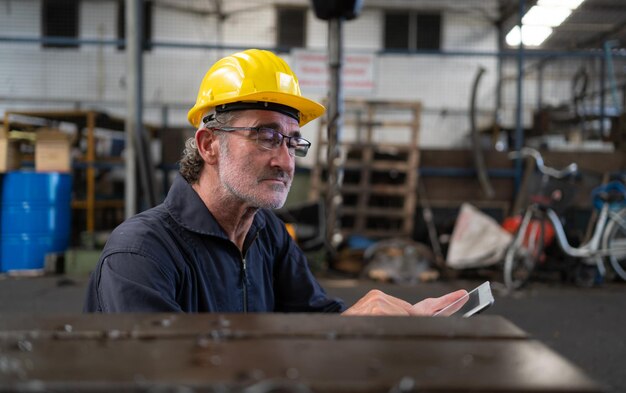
{"points": [[277, 353]]}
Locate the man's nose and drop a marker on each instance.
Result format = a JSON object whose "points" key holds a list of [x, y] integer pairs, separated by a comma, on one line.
{"points": [[284, 158]]}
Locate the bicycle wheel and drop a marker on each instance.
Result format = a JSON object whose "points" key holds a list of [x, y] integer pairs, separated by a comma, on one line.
{"points": [[615, 238], [523, 253]]}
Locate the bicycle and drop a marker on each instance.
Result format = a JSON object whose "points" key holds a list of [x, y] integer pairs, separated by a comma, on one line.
{"points": [[607, 241]]}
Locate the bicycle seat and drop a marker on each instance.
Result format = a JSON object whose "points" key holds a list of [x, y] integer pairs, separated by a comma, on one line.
{"points": [[613, 193]]}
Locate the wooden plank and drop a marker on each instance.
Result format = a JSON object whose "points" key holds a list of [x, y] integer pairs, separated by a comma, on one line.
{"points": [[377, 189], [91, 173], [379, 165], [78, 117], [587, 161], [5, 126], [322, 365], [381, 234], [365, 186], [465, 188], [157, 325], [462, 158], [375, 212], [104, 203], [399, 147], [387, 104], [331, 363], [377, 123], [412, 175]]}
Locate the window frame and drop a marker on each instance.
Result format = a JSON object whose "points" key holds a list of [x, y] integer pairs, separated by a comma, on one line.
{"points": [[279, 27], [46, 25], [412, 30]]}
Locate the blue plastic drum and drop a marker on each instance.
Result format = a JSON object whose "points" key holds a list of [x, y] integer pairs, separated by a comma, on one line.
{"points": [[35, 218]]}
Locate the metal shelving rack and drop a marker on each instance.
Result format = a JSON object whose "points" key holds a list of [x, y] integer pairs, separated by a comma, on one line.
{"points": [[86, 122]]}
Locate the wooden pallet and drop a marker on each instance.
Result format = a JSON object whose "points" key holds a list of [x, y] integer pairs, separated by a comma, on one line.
{"points": [[380, 159]]}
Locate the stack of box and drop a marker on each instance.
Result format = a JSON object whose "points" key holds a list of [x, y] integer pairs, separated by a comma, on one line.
{"points": [[9, 155], [52, 151]]}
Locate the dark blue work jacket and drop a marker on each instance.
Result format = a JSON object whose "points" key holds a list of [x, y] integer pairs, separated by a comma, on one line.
{"points": [[176, 257]]}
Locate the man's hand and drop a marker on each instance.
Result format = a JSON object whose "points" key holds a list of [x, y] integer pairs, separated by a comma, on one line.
{"points": [[428, 307], [376, 302]]}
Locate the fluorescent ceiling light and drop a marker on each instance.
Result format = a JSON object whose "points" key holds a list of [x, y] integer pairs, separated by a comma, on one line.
{"points": [[513, 38], [539, 20], [546, 16], [571, 4], [531, 35]]}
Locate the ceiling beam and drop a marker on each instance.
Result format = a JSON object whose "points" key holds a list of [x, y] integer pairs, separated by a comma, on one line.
{"points": [[598, 40]]}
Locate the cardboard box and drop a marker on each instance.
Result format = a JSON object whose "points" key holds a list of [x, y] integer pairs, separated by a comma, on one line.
{"points": [[52, 151], [9, 155]]}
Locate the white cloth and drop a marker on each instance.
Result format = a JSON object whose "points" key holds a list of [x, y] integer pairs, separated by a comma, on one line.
{"points": [[477, 240]]}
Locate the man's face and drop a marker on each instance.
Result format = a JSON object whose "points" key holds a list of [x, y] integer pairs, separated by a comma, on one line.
{"points": [[257, 176]]}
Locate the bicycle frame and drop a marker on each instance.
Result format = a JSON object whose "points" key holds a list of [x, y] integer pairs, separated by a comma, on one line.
{"points": [[591, 249], [528, 243]]}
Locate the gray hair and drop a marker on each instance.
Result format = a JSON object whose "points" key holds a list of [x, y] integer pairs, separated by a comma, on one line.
{"points": [[191, 163]]}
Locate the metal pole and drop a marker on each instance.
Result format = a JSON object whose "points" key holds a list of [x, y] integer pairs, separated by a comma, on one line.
{"points": [[519, 127], [135, 115], [219, 27], [602, 95], [497, 119], [540, 85], [335, 111], [133, 98]]}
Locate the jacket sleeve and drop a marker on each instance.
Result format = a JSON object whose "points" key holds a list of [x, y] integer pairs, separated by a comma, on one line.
{"points": [[130, 282], [295, 287]]}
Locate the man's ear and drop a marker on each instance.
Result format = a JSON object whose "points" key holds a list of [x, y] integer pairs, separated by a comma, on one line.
{"points": [[208, 145]]}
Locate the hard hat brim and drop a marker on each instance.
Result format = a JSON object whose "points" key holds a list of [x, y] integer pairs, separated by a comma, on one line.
{"points": [[308, 109]]}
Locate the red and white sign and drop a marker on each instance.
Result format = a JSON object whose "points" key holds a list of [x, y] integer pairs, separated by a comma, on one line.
{"points": [[357, 73]]}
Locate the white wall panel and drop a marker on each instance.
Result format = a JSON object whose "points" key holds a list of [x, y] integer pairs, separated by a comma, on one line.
{"points": [[183, 26], [21, 72], [360, 33], [14, 13], [245, 28], [96, 75], [97, 20], [317, 32], [461, 33]]}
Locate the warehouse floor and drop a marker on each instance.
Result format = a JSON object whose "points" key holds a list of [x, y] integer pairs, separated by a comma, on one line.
{"points": [[585, 325]]}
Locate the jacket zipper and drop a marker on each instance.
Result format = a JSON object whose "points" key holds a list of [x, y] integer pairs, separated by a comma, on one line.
{"points": [[244, 280], [244, 276]]}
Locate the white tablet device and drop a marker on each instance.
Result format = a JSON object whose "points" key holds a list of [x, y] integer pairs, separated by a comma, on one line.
{"points": [[474, 302]]}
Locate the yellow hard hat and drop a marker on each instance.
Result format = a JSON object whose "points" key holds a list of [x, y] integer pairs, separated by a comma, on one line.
{"points": [[253, 79]]}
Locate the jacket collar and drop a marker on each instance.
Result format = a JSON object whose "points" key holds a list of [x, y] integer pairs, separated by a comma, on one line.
{"points": [[188, 210]]}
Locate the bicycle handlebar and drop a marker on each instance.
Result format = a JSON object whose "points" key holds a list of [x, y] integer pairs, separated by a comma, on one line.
{"points": [[546, 170]]}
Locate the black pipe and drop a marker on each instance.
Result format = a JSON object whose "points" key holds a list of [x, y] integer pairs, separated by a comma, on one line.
{"points": [[479, 159]]}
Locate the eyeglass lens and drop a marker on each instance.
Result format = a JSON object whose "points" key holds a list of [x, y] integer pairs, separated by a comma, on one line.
{"points": [[272, 139]]}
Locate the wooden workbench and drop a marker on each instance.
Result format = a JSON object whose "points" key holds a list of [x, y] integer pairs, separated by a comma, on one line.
{"points": [[277, 353]]}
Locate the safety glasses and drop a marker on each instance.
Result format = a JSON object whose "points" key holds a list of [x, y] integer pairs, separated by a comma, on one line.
{"points": [[270, 139]]}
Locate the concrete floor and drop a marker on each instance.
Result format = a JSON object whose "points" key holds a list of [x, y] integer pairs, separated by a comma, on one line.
{"points": [[585, 325]]}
